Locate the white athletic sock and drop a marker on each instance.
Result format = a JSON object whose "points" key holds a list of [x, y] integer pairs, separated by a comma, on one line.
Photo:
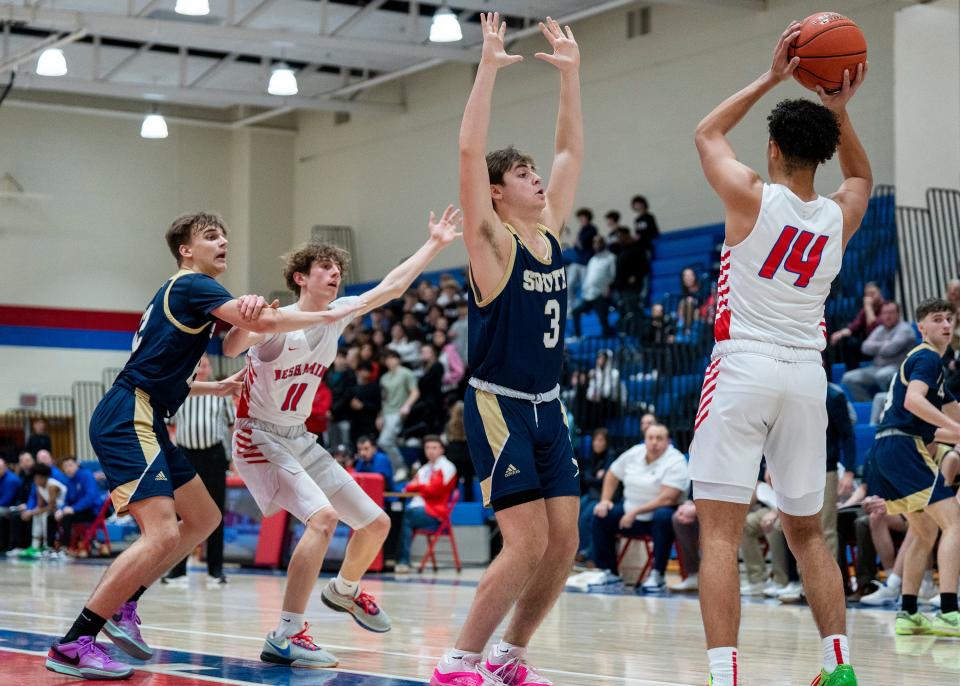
{"points": [[835, 651], [894, 580], [723, 666], [458, 661], [290, 625], [498, 655], [344, 587]]}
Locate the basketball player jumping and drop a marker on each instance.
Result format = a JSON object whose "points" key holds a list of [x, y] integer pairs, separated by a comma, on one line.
{"points": [[281, 462], [764, 389], [149, 477], [919, 414], [514, 420]]}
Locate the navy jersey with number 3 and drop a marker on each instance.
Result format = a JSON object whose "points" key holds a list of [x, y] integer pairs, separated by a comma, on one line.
{"points": [[172, 337], [516, 331]]}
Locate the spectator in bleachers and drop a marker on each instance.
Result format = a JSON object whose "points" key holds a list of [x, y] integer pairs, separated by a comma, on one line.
{"points": [[343, 455], [686, 528], [644, 224], [888, 345], [688, 307], [851, 337], [458, 330], [369, 353], [318, 423], [655, 479], [600, 273], [660, 328], [603, 393], [370, 459], [83, 499], [614, 226], [49, 495], [400, 392], [402, 343], [582, 251], [453, 364], [9, 494], [340, 379], [456, 439], [19, 529], [593, 467], [39, 440], [841, 451], [763, 520], [632, 269], [426, 414], [364, 403], [433, 483]]}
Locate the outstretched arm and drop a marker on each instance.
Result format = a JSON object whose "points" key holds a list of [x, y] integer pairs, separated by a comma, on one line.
{"points": [[478, 215], [853, 196], [740, 187], [568, 154], [442, 233]]}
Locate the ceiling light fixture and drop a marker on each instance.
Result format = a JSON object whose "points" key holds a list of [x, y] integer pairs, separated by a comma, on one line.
{"points": [[282, 81], [52, 63], [445, 27], [154, 126], [192, 8]]}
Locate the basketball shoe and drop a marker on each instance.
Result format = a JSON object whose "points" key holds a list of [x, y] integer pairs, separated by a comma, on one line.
{"points": [[362, 607], [915, 624], [842, 675], [946, 624], [298, 650], [461, 671], [85, 659], [124, 630], [513, 671]]}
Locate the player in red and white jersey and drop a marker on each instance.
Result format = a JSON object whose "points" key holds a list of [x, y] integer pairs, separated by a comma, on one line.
{"points": [[281, 462], [765, 390]]}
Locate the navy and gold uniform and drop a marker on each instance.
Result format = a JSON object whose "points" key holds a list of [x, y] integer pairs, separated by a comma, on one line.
{"points": [[127, 429], [516, 425], [905, 473]]}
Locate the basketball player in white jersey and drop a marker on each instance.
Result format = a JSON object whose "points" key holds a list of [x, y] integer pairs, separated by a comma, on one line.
{"points": [[281, 462], [765, 389]]}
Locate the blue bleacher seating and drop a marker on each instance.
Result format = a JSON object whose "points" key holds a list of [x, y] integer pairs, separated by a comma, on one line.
{"points": [[864, 434], [863, 412], [836, 371]]}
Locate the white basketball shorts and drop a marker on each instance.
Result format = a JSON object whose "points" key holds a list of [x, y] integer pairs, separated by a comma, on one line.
{"points": [[762, 400], [284, 468]]}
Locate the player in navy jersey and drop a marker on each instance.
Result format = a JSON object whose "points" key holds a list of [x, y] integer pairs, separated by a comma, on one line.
{"points": [[148, 476], [515, 423], [921, 416]]}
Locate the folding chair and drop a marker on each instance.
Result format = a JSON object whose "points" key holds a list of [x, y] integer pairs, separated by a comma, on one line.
{"points": [[648, 543], [444, 529], [88, 531]]}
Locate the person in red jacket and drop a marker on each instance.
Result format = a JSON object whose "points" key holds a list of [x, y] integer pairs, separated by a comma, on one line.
{"points": [[433, 483]]}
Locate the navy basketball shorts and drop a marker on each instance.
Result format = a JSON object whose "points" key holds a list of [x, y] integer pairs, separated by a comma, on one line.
{"points": [[134, 450], [906, 475], [520, 454]]}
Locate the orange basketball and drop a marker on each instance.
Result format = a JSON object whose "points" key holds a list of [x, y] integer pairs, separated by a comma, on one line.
{"points": [[828, 43]]}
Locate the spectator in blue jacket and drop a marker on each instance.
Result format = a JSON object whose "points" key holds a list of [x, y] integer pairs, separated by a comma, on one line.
{"points": [[84, 497], [9, 497], [371, 459]]}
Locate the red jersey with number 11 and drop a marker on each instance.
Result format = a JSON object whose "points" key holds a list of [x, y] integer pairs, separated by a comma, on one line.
{"points": [[773, 285]]}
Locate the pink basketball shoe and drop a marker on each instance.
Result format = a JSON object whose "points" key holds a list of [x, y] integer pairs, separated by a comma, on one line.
{"points": [[514, 671], [457, 671]]}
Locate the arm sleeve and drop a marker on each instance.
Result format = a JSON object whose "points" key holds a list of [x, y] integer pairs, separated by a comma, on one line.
{"points": [[871, 346], [619, 466], [677, 475]]}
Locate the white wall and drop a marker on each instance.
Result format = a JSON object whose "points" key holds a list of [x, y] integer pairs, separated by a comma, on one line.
{"points": [[97, 241], [643, 97], [927, 104]]}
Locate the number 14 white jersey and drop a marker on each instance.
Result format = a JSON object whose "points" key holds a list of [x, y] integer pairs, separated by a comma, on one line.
{"points": [[773, 285], [284, 372]]}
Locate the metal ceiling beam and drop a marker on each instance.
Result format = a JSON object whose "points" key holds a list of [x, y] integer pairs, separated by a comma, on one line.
{"points": [[148, 8], [208, 97], [357, 16], [37, 48], [215, 68], [126, 61], [294, 45], [255, 12]]}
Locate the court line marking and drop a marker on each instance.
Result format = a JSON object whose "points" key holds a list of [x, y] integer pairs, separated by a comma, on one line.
{"points": [[602, 677], [152, 669]]}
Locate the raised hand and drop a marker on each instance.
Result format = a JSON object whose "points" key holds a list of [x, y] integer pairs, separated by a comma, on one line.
{"points": [[566, 52], [445, 230], [252, 305], [782, 67], [494, 54], [838, 100]]}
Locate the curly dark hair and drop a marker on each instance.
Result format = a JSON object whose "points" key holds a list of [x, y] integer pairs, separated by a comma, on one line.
{"points": [[931, 306], [301, 260], [807, 133]]}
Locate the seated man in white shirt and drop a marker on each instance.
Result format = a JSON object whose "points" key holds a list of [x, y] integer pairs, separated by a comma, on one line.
{"points": [[433, 483], [655, 479]]}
